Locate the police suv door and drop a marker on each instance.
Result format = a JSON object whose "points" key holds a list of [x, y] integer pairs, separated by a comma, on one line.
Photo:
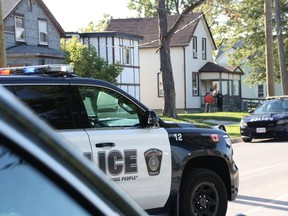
{"points": [[137, 158]]}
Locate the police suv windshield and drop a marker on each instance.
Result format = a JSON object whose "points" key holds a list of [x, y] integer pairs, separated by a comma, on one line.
{"points": [[272, 106]]}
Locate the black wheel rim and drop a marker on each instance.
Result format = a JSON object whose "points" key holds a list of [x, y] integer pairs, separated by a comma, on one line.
{"points": [[205, 200]]}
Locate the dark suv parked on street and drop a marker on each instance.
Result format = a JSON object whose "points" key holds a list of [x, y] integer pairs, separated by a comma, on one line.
{"points": [[268, 120]]}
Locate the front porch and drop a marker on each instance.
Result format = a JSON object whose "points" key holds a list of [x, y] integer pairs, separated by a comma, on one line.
{"points": [[227, 80]]}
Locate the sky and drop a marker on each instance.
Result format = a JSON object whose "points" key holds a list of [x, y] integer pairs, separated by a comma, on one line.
{"points": [[73, 15]]}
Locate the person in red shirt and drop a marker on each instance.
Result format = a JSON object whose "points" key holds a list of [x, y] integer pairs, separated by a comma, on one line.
{"points": [[208, 100]]}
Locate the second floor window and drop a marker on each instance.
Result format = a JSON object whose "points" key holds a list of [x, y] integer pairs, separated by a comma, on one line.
{"points": [[204, 48], [19, 28], [126, 56], [43, 33], [194, 47]]}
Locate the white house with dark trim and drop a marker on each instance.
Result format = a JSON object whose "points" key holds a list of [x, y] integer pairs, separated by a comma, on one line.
{"points": [[117, 47], [191, 49]]}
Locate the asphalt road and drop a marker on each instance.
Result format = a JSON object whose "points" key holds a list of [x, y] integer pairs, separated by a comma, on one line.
{"points": [[263, 169]]}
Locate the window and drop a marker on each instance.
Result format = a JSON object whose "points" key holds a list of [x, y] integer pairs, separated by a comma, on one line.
{"points": [[204, 48], [195, 84], [126, 55], [19, 29], [49, 102], [29, 5], [260, 91], [106, 108], [194, 46], [43, 33], [160, 85], [23, 185]]}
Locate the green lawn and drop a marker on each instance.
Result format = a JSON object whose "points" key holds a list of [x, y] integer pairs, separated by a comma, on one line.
{"points": [[231, 120]]}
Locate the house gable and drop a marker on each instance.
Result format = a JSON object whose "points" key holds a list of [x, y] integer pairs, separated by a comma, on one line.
{"points": [[36, 39]]}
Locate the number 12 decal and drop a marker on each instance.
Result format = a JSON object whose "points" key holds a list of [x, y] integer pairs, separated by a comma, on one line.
{"points": [[178, 137]]}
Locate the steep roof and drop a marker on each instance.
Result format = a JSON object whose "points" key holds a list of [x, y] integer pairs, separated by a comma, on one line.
{"points": [[8, 6], [148, 28]]}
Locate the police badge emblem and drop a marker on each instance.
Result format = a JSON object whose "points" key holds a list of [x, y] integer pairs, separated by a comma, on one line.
{"points": [[153, 159]]}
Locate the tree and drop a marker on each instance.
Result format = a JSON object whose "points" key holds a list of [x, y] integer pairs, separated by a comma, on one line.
{"points": [[243, 21], [165, 58], [162, 8], [86, 63], [281, 52], [269, 48], [100, 26], [2, 41]]}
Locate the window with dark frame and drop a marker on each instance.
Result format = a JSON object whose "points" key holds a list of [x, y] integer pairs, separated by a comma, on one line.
{"points": [[160, 85], [260, 91], [195, 84], [194, 46], [19, 29], [29, 5], [43, 32], [126, 55], [204, 48]]}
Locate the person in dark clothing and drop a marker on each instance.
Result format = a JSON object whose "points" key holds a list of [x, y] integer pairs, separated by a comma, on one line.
{"points": [[219, 101]]}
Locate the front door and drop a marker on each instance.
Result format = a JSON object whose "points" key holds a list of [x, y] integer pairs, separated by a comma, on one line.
{"points": [[136, 157]]}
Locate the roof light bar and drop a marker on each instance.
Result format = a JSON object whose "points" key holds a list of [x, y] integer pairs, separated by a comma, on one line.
{"points": [[38, 69]]}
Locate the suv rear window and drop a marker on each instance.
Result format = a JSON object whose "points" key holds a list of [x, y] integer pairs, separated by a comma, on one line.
{"points": [[49, 102]]}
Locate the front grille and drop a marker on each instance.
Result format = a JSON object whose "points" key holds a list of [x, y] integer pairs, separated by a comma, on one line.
{"points": [[262, 124]]}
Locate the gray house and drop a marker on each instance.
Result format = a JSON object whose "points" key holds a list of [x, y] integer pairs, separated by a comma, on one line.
{"points": [[32, 34]]}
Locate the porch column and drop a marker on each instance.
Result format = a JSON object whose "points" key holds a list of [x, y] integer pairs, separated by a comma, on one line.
{"points": [[220, 82]]}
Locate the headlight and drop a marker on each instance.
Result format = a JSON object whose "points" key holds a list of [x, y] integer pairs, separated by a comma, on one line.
{"points": [[282, 122], [243, 124]]}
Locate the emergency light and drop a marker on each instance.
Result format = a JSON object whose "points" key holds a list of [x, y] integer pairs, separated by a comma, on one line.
{"points": [[38, 69]]}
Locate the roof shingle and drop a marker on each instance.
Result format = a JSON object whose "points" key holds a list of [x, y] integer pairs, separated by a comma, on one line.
{"points": [[148, 28]]}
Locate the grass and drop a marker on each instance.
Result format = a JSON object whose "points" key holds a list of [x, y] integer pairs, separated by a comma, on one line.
{"points": [[231, 120]]}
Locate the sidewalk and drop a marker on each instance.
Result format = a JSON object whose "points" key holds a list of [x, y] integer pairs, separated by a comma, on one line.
{"points": [[236, 140]]}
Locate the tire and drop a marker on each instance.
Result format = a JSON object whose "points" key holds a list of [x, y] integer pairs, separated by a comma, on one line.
{"points": [[247, 139], [203, 194]]}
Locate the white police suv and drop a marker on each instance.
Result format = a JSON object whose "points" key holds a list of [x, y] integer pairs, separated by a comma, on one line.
{"points": [[164, 167], [41, 175]]}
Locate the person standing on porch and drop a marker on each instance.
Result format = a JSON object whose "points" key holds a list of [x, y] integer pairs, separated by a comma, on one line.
{"points": [[208, 100], [219, 101]]}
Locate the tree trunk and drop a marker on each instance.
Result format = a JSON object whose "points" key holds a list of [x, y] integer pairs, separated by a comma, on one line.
{"points": [[281, 54], [269, 48], [165, 63], [2, 41]]}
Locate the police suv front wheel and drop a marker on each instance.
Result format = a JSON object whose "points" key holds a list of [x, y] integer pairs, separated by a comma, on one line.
{"points": [[203, 194]]}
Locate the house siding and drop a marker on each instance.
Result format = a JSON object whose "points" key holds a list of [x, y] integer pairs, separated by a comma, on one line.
{"points": [[31, 26], [110, 48], [52, 54], [247, 90], [183, 64], [194, 64]]}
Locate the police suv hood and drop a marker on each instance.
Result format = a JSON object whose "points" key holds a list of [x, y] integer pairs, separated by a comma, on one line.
{"points": [[190, 125], [253, 117]]}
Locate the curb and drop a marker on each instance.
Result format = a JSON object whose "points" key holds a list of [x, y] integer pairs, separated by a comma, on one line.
{"points": [[237, 140]]}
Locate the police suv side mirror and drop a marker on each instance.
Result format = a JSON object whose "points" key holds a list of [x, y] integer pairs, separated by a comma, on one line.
{"points": [[152, 119]]}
